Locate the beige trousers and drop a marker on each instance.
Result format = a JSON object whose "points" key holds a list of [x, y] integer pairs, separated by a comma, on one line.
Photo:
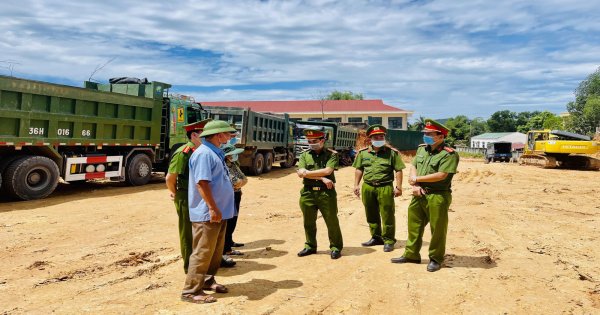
{"points": [[207, 250]]}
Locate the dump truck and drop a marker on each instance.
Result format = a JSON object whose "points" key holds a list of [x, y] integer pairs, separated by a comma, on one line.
{"points": [[340, 138], [265, 138], [120, 132], [562, 149], [500, 151]]}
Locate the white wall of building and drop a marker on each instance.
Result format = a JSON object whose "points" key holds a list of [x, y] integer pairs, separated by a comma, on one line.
{"points": [[346, 116], [515, 137]]}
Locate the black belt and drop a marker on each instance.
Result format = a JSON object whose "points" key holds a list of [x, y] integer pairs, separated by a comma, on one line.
{"points": [[433, 191], [378, 183]]}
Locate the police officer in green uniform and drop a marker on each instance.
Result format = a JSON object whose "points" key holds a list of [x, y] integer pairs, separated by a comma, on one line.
{"points": [[431, 173], [380, 166], [316, 167], [177, 183]]}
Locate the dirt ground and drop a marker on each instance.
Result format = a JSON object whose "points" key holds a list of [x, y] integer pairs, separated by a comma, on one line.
{"points": [[521, 240]]}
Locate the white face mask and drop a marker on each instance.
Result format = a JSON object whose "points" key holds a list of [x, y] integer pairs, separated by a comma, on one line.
{"points": [[315, 146], [234, 158], [378, 143]]}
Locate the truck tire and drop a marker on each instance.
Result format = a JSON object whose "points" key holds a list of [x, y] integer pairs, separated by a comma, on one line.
{"points": [[257, 164], [268, 162], [139, 170], [290, 161], [487, 161], [31, 177]]}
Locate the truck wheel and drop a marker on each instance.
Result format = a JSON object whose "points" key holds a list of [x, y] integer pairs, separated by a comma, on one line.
{"points": [[487, 161], [257, 164], [139, 170], [31, 177], [290, 161], [268, 162]]}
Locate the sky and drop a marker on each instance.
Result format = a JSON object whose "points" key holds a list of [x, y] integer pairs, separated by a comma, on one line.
{"points": [[436, 58]]}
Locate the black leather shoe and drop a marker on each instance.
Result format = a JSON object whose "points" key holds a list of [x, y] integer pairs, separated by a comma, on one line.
{"points": [[372, 242], [227, 263], [388, 247], [306, 252], [404, 260], [237, 244], [433, 266], [335, 254]]}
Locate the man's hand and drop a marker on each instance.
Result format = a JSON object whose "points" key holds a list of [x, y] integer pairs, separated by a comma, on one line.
{"points": [[397, 191], [357, 191], [328, 182], [418, 191], [215, 215], [301, 172], [172, 195], [412, 180]]}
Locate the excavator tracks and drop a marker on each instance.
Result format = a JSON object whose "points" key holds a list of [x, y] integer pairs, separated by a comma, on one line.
{"points": [[538, 160], [576, 162]]}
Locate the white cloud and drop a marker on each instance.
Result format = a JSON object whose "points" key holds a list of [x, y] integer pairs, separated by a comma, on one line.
{"points": [[436, 57]]}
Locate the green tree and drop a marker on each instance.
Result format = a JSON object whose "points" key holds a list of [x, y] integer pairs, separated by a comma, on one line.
{"points": [[347, 95], [417, 125], [460, 129], [583, 112], [503, 121], [543, 120], [478, 126], [523, 120]]}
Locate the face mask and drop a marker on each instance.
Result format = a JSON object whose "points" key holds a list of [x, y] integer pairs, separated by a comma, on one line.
{"points": [[428, 140], [234, 158], [378, 143], [233, 141], [315, 146]]}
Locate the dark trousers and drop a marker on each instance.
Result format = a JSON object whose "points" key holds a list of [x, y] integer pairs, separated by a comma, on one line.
{"points": [[231, 223]]}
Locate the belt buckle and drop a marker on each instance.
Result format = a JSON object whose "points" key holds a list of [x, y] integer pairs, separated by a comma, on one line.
{"points": [[376, 183], [316, 188]]}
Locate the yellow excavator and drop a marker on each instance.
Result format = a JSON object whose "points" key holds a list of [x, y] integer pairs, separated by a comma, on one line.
{"points": [[560, 149]]}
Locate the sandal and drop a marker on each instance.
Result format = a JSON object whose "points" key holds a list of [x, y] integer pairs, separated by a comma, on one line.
{"points": [[234, 253], [217, 288], [198, 299]]}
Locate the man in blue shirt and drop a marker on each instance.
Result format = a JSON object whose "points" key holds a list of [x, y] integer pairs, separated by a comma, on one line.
{"points": [[211, 202]]}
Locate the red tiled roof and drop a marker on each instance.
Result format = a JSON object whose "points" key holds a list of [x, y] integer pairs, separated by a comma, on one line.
{"points": [[310, 106]]}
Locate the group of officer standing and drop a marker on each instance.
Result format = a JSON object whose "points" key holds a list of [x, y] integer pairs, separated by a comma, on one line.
{"points": [[380, 166], [205, 182]]}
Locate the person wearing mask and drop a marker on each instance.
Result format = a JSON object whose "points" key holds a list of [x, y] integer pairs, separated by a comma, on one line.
{"points": [[211, 203], [430, 176], [238, 180], [380, 166], [177, 184], [316, 167]]}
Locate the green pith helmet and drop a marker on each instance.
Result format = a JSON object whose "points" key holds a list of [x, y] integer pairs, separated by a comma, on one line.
{"points": [[434, 126], [216, 126], [229, 149]]}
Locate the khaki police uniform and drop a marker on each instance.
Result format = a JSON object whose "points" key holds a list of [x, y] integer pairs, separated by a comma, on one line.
{"points": [[432, 207], [179, 166], [377, 191], [314, 197]]}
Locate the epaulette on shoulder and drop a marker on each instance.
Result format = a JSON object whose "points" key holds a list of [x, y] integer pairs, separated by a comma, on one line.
{"points": [[449, 149], [332, 151], [392, 148], [187, 150]]}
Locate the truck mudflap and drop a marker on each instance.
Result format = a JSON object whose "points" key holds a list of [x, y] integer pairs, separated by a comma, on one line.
{"points": [[93, 167]]}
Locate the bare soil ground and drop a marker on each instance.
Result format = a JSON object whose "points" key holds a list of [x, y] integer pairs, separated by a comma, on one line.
{"points": [[521, 240]]}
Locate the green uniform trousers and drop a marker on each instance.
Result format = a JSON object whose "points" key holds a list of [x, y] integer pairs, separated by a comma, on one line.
{"points": [[380, 211], [185, 227], [324, 200], [431, 208]]}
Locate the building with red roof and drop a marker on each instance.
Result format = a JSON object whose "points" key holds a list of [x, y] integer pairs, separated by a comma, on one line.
{"points": [[344, 111]]}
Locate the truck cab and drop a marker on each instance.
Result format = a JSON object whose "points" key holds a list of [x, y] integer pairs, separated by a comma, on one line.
{"points": [[498, 151]]}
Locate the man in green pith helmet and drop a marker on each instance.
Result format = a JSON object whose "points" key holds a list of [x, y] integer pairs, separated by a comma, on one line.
{"points": [[316, 167], [177, 183], [431, 173], [381, 166]]}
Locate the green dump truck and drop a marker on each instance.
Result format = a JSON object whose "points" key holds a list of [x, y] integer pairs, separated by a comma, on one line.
{"points": [[266, 139], [340, 138], [117, 131]]}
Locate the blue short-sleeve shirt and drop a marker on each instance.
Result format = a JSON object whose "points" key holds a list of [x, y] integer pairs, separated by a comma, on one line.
{"points": [[205, 164]]}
